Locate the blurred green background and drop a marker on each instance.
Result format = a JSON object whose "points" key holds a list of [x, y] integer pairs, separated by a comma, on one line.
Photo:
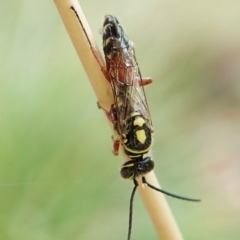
{"points": [[58, 177]]}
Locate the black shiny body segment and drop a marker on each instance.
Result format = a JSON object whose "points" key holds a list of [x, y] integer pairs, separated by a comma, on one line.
{"points": [[137, 167]]}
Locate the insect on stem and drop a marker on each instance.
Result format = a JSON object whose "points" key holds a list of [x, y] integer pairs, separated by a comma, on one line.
{"points": [[130, 114]]}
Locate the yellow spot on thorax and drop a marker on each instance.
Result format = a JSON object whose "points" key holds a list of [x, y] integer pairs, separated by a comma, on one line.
{"points": [[107, 41], [141, 136]]}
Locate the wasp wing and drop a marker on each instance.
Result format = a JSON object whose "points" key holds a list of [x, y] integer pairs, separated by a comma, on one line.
{"points": [[127, 86]]}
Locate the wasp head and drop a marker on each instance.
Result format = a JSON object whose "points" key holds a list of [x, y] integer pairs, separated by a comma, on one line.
{"points": [[137, 167]]}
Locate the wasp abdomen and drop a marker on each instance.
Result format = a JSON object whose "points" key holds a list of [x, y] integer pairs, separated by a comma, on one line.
{"points": [[138, 139]]}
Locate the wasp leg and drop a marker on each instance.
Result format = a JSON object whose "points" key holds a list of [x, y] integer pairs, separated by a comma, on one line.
{"points": [[111, 114], [146, 81], [124, 138], [103, 68], [116, 145], [152, 130], [99, 106], [112, 117]]}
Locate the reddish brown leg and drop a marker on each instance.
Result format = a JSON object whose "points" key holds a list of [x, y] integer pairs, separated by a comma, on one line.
{"points": [[145, 81], [103, 68], [111, 114], [116, 145]]}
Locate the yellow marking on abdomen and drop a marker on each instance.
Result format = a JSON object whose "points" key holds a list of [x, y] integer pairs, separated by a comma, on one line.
{"points": [[128, 165], [135, 114], [141, 136], [136, 151], [138, 122]]}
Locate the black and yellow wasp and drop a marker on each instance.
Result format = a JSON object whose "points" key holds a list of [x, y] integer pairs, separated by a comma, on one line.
{"points": [[129, 114]]}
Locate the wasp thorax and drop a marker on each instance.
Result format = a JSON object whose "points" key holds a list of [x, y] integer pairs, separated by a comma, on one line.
{"points": [[137, 167]]}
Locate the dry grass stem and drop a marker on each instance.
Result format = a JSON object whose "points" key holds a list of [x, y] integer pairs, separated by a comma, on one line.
{"points": [[82, 38]]}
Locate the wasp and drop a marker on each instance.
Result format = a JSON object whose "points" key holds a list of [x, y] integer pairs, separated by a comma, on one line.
{"points": [[130, 113]]}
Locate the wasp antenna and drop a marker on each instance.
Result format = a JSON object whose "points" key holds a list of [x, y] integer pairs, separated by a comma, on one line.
{"points": [[168, 193], [131, 209]]}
